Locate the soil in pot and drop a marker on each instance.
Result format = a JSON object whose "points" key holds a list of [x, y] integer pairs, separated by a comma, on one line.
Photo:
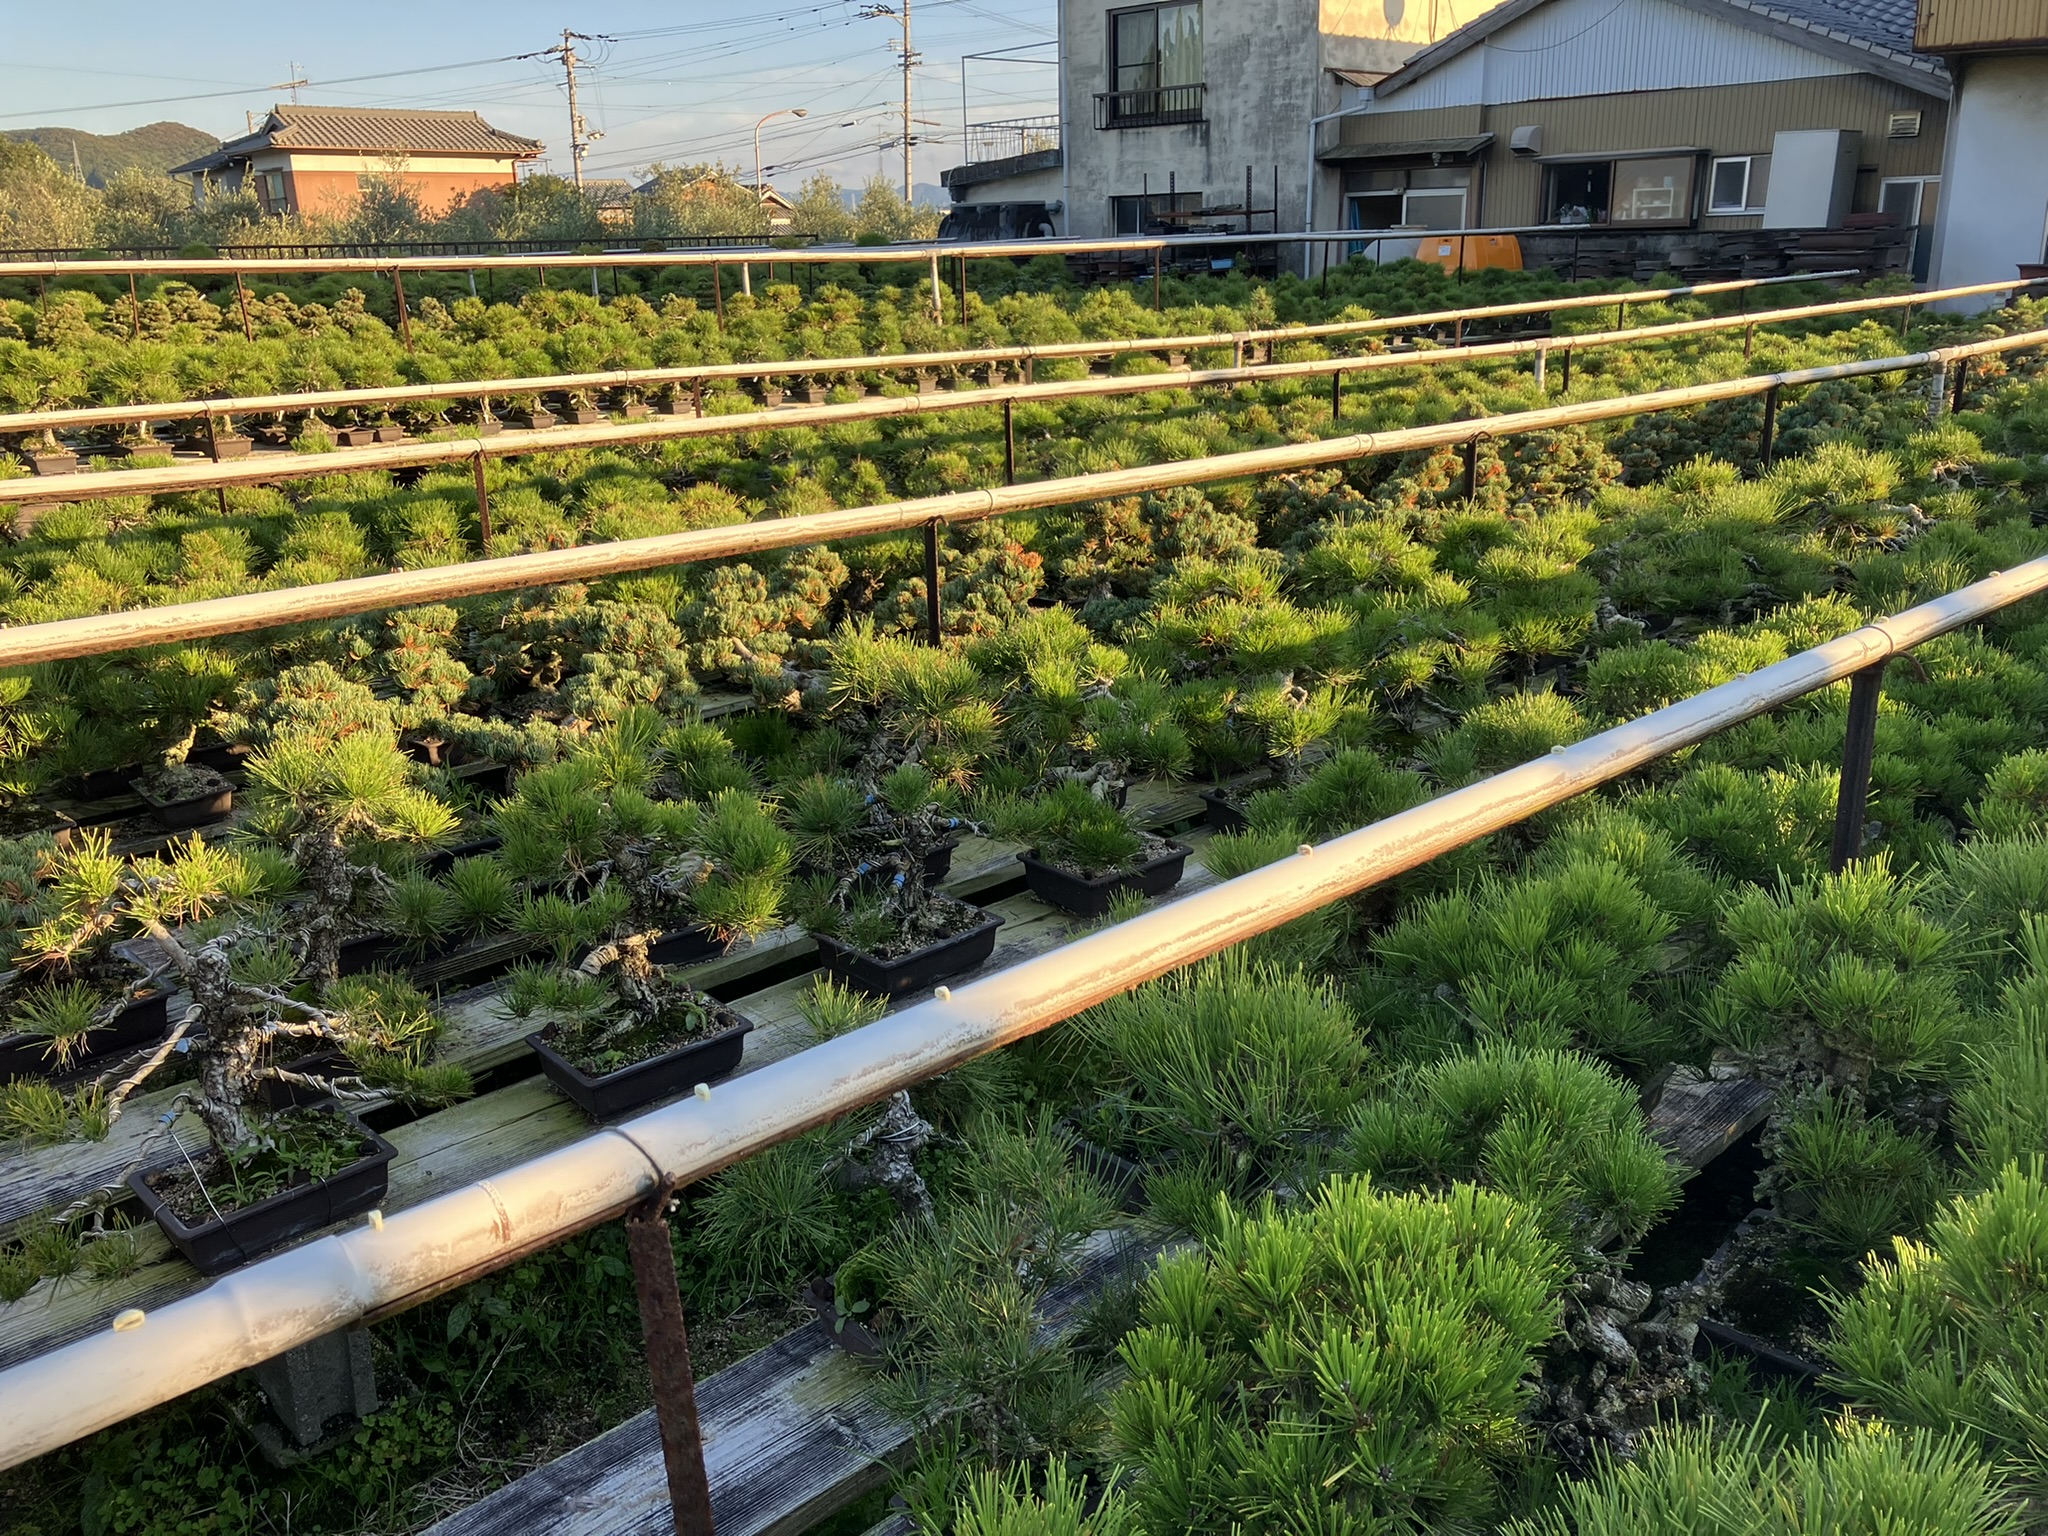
{"points": [[612, 1065], [220, 1210], [966, 936], [186, 795], [140, 1023], [1072, 890]]}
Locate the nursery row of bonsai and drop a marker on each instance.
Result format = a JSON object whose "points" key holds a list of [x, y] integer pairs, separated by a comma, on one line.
{"points": [[1478, 1279]]}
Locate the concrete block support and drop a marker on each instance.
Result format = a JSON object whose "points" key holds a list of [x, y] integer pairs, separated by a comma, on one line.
{"points": [[312, 1385]]}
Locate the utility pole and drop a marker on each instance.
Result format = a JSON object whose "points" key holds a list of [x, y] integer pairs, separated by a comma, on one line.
{"points": [[902, 15], [580, 135]]}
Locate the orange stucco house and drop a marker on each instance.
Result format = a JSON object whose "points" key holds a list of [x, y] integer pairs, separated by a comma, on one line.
{"points": [[314, 160]]}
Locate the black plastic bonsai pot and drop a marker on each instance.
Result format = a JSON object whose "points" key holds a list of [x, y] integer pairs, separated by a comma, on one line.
{"points": [[138, 1024], [618, 1093], [214, 1247], [1221, 812], [915, 970], [1090, 896]]}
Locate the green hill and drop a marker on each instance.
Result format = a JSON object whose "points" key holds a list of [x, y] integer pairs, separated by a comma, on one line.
{"points": [[155, 147]]}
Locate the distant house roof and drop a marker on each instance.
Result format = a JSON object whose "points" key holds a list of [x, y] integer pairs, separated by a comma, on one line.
{"points": [[767, 193], [1875, 35], [370, 130]]}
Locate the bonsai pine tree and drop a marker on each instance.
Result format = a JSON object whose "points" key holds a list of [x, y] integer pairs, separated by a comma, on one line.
{"points": [[1355, 1362], [327, 803]]}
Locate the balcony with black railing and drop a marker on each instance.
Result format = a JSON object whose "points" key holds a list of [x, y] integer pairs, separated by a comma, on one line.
{"points": [[1154, 107]]}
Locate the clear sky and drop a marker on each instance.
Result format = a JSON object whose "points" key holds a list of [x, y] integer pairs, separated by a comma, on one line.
{"points": [[678, 82]]}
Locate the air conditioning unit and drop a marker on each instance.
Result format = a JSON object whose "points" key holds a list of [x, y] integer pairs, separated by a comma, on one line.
{"points": [[1902, 125], [1527, 141]]}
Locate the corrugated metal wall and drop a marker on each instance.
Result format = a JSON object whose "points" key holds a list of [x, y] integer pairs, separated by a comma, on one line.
{"points": [[1726, 120], [1980, 23], [1578, 47]]}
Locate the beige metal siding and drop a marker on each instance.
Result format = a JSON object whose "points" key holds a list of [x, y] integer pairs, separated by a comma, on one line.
{"points": [[1953, 25], [1723, 120]]}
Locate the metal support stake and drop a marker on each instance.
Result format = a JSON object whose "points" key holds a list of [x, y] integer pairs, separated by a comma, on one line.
{"points": [[932, 617], [1010, 442], [1458, 332], [1472, 467], [1542, 370], [212, 439], [405, 319], [1962, 373], [1030, 370], [1621, 316], [963, 290], [697, 395], [1767, 451], [134, 311], [1859, 747], [1156, 277], [747, 278], [718, 294], [1748, 341], [938, 304], [1564, 383], [483, 504], [1336, 396], [1937, 389], [242, 297], [668, 1364], [1905, 320]]}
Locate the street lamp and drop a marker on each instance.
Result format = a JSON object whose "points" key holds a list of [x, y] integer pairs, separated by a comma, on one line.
{"points": [[760, 187]]}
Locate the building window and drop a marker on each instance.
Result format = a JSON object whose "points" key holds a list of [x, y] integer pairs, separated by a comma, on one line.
{"points": [[1425, 197], [1152, 214], [1910, 198], [1737, 184], [270, 191], [1655, 189], [1155, 66]]}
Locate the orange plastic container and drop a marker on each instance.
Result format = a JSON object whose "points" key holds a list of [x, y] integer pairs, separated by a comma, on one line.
{"points": [[1471, 253]]}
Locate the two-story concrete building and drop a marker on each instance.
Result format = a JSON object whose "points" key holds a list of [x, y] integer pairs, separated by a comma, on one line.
{"points": [[1169, 112]]}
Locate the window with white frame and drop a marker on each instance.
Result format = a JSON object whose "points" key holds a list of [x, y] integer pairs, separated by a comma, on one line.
{"points": [[1738, 184], [1421, 197]]}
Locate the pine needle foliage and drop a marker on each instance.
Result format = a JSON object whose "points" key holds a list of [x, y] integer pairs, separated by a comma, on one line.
{"points": [[1952, 1333], [1558, 1132], [1353, 1364], [1863, 1478]]}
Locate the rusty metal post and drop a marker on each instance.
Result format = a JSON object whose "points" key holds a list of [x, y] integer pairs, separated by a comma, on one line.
{"points": [[1336, 397], [1542, 370], [134, 311], [1472, 467], [697, 395], [938, 292], [1621, 316], [963, 290], [1156, 277], [242, 297], [668, 1364], [1010, 442], [1961, 375], [1458, 332], [1905, 320], [1564, 383], [1767, 450], [483, 505], [933, 620], [1859, 748], [404, 318], [718, 293], [1748, 341], [212, 440]]}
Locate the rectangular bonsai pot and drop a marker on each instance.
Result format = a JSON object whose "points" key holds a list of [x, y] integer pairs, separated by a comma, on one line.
{"points": [[658, 1077], [1085, 897], [198, 811], [915, 970], [142, 1022], [1221, 812], [217, 1246]]}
